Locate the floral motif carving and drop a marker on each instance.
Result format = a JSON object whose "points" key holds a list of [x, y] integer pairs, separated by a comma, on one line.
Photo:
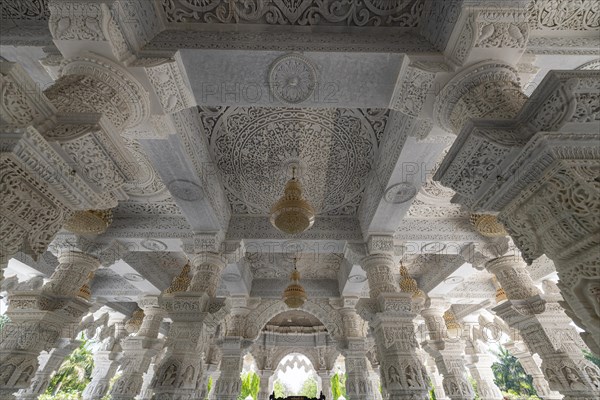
{"points": [[292, 78], [412, 90], [564, 15], [170, 87], [487, 89], [403, 13], [31, 224], [79, 21], [25, 9], [146, 182], [341, 142]]}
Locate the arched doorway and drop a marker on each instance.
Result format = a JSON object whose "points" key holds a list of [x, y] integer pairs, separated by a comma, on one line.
{"points": [[295, 375], [295, 339]]}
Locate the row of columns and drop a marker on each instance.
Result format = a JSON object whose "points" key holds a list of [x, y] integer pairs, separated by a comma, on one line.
{"points": [[544, 328]]}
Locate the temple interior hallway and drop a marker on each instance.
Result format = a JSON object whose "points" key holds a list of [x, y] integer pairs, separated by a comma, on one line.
{"points": [[233, 200]]}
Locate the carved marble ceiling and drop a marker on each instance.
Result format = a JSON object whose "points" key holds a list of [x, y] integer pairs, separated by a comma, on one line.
{"points": [[253, 149], [390, 13], [280, 265]]}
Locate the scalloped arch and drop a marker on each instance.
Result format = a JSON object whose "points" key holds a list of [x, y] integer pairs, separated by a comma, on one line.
{"points": [[258, 318]]}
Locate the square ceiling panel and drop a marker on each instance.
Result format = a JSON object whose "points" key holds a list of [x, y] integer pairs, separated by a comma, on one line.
{"points": [[280, 265], [255, 148]]}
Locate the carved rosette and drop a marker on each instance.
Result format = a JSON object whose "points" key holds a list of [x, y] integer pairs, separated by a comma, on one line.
{"points": [[292, 78]]}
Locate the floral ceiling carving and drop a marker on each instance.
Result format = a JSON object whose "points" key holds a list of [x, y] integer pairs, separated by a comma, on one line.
{"points": [[254, 147], [280, 265], [392, 13], [24, 9], [564, 14], [147, 183]]}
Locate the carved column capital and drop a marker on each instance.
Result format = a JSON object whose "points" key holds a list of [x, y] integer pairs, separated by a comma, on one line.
{"points": [[379, 268], [93, 84], [206, 272], [488, 90], [511, 273], [73, 271], [380, 244]]}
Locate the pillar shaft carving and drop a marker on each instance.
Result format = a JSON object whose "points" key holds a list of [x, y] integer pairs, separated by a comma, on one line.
{"points": [[449, 355], [479, 364], [546, 330], [206, 273], [538, 171], [39, 317], [72, 272], [229, 384], [265, 383], [531, 367], [138, 351], [379, 269], [358, 381], [436, 378], [146, 390], [49, 364], [105, 364], [195, 314], [393, 312]]}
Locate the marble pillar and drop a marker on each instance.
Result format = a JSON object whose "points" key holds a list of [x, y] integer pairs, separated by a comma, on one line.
{"points": [[49, 364], [105, 364], [479, 363], [545, 329], [265, 384], [138, 351], [531, 367], [180, 371], [537, 171], [325, 383], [358, 381], [229, 384], [448, 351], [392, 323], [39, 318]]}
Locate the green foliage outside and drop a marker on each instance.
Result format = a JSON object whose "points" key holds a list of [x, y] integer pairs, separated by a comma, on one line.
{"points": [[432, 395], [280, 389], [208, 386], [473, 383], [73, 376], [592, 357], [309, 388], [3, 320], [250, 385], [511, 378], [338, 386]]}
